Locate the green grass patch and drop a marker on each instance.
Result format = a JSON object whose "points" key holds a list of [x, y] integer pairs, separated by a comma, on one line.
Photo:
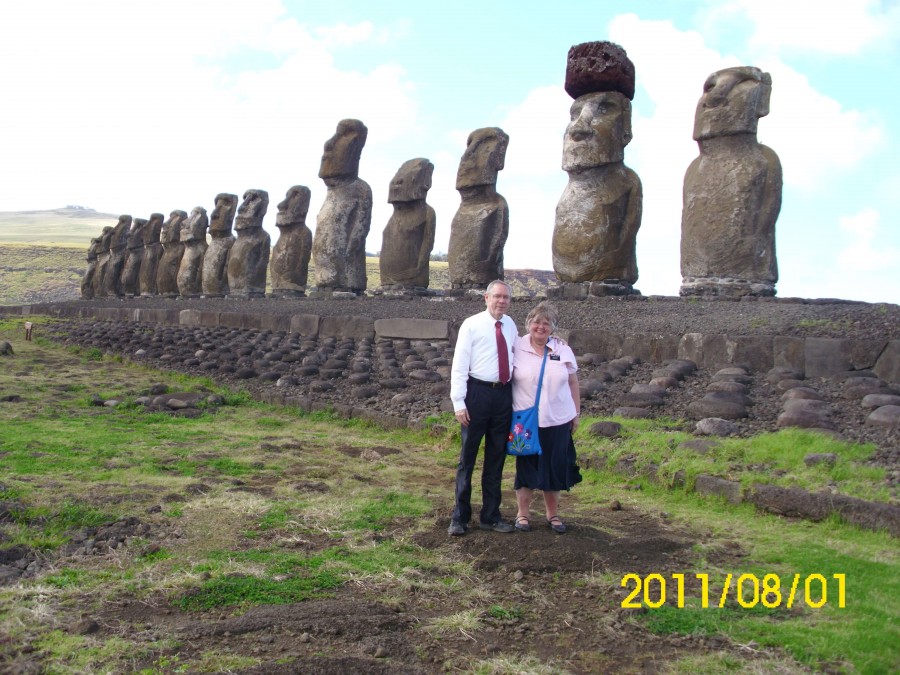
{"points": [[376, 514]]}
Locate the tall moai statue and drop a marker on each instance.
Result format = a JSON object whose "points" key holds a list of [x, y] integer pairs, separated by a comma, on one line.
{"points": [[118, 251], [339, 245], [103, 256], [193, 236], [291, 253], [732, 191], [599, 212], [248, 260], [215, 260], [131, 274], [87, 281], [409, 236], [152, 254], [480, 227], [173, 250]]}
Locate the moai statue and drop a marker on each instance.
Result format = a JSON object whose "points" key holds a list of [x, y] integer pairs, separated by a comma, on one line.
{"points": [[339, 246], [118, 251], [732, 191], [480, 227], [152, 254], [173, 250], [87, 281], [290, 256], [193, 236], [409, 236], [599, 212], [131, 275], [215, 260], [248, 260], [103, 256]]}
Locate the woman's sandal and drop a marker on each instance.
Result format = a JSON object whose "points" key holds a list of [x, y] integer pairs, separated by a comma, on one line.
{"points": [[557, 524], [523, 524]]}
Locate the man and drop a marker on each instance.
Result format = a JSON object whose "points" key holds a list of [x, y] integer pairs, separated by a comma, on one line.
{"points": [[482, 400]]}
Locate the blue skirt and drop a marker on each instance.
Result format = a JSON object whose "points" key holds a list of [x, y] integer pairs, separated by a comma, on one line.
{"points": [[556, 468]]}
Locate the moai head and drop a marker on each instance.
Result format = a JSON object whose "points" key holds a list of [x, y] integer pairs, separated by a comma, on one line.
{"points": [[106, 236], [598, 131], [484, 156], [120, 233], [136, 236], [93, 249], [252, 210], [222, 216], [293, 208], [194, 227], [342, 151], [171, 229], [411, 182], [153, 230], [733, 100]]}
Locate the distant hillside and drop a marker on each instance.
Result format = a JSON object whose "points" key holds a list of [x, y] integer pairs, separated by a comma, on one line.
{"points": [[69, 226], [43, 257]]}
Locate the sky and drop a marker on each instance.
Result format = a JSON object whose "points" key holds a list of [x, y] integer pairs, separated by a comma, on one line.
{"points": [[141, 107]]}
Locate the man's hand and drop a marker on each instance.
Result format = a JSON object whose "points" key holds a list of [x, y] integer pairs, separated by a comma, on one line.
{"points": [[462, 416]]}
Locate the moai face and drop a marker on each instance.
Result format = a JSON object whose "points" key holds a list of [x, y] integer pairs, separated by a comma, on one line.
{"points": [[485, 155], [598, 131], [733, 100], [105, 238], [153, 230], [294, 207], [171, 229], [136, 237], [252, 210], [340, 157], [411, 182], [222, 216], [93, 249], [194, 227]]}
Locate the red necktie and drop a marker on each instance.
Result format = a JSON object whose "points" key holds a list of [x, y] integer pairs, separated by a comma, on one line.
{"points": [[502, 354]]}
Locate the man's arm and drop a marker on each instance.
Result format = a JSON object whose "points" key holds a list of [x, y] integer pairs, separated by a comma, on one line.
{"points": [[459, 372]]}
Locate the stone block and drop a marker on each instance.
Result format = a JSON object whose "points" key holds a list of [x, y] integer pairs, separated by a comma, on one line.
{"points": [[651, 347], [305, 324], [789, 352], [347, 326], [275, 322], [707, 351], [720, 487], [828, 356], [603, 342], [189, 317], [412, 329], [756, 351], [887, 367]]}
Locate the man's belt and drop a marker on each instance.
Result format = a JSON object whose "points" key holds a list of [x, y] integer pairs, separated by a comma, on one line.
{"points": [[484, 383]]}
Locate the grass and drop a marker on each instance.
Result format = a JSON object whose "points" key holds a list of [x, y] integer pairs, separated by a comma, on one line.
{"points": [[247, 535], [772, 458]]}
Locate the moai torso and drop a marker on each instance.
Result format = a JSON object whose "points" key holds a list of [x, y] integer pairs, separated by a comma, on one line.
{"points": [[118, 251], [152, 254], [290, 256], [131, 274], [248, 260], [408, 238], [173, 250], [599, 212], [342, 225], [732, 191], [480, 226], [103, 255], [87, 281], [190, 270], [215, 260]]}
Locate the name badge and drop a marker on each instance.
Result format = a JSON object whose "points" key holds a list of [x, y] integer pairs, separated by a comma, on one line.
{"points": [[554, 357]]}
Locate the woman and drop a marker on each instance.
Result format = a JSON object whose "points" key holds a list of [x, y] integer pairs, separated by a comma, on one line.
{"points": [[555, 469]]}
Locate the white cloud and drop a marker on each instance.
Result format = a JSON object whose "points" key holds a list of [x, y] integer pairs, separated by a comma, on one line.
{"points": [[866, 251], [834, 27]]}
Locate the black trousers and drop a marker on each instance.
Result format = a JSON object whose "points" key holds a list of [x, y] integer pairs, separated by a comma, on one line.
{"points": [[490, 414]]}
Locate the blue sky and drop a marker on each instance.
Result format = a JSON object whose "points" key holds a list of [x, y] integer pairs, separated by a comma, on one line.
{"points": [[135, 107]]}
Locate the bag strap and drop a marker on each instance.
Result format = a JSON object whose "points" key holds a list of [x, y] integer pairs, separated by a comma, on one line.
{"points": [[537, 396]]}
